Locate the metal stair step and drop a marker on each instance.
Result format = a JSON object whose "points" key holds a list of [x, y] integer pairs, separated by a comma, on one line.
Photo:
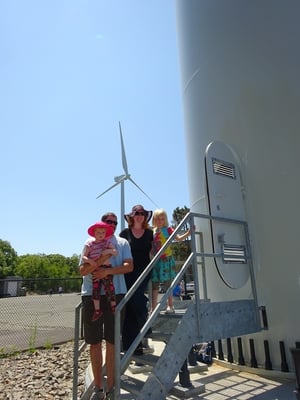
{"points": [[160, 336], [195, 369], [167, 323], [149, 359], [189, 392], [131, 384]]}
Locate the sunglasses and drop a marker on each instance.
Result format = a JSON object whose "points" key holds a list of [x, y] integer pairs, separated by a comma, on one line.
{"points": [[111, 222], [139, 213]]}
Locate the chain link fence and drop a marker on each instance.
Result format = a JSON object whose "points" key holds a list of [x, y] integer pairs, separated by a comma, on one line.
{"points": [[37, 313]]}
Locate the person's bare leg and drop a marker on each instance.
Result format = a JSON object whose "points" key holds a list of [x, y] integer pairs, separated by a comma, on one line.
{"points": [[170, 298], [96, 361], [110, 365]]}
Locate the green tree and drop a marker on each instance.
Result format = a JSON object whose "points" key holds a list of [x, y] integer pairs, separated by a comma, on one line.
{"points": [[42, 272], [178, 215], [73, 265], [8, 259], [181, 250]]}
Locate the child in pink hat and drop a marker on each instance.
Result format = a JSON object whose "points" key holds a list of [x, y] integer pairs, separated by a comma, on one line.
{"points": [[100, 245]]}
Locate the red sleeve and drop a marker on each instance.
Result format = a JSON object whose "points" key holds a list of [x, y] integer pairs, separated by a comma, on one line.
{"points": [[170, 230]]}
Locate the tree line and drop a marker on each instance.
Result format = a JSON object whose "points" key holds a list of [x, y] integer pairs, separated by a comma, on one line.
{"points": [[40, 267], [35, 266], [40, 273]]}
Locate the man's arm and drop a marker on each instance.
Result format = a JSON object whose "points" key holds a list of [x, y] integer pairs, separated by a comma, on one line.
{"points": [[90, 267], [127, 266]]}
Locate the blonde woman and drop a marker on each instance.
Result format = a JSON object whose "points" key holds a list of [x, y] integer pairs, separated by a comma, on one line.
{"points": [[164, 271]]}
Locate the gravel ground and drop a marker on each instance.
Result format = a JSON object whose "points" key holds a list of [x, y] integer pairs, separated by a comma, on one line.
{"points": [[42, 374]]}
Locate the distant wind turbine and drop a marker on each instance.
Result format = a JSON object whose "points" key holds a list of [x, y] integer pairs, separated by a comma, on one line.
{"points": [[121, 179]]}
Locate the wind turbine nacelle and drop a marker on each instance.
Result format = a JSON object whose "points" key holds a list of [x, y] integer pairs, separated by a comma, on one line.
{"points": [[121, 178]]}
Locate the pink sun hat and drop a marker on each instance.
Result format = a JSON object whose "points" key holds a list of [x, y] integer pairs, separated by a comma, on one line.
{"points": [[100, 224]]}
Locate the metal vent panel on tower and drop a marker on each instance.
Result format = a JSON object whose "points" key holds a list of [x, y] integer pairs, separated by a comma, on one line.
{"points": [[225, 200]]}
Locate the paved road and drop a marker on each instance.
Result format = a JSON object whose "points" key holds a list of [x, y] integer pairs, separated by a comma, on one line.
{"points": [[34, 321]]}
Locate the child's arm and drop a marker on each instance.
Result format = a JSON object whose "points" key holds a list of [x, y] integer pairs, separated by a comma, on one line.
{"points": [[85, 256], [111, 250], [179, 238], [107, 253], [88, 266], [87, 260]]}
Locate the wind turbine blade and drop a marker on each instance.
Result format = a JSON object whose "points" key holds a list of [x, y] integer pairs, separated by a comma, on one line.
{"points": [[107, 190], [124, 161], [152, 201]]}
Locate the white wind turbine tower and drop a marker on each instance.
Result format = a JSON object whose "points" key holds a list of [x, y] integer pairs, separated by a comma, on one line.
{"points": [[121, 179]]}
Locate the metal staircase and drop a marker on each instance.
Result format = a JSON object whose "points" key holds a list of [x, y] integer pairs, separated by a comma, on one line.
{"points": [[199, 320], [183, 330], [178, 332]]}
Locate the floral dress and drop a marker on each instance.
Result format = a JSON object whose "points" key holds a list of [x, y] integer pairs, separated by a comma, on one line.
{"points": [[164, 270]]}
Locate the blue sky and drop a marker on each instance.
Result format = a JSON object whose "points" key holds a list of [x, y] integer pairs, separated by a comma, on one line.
{"points": [[70, 71]]}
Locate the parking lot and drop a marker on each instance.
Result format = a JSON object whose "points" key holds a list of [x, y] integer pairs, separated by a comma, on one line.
{"points": [[35, 321]]}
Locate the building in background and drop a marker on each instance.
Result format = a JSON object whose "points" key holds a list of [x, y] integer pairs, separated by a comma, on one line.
{"points": [[11, 286]]}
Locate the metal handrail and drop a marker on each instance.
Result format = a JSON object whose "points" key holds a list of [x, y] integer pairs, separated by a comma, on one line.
{"points": [[77, 349], [122, 360], [120, 366]]}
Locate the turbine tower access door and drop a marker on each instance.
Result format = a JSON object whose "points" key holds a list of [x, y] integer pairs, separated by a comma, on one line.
{"points": [[230, 244], [225, 200]]}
